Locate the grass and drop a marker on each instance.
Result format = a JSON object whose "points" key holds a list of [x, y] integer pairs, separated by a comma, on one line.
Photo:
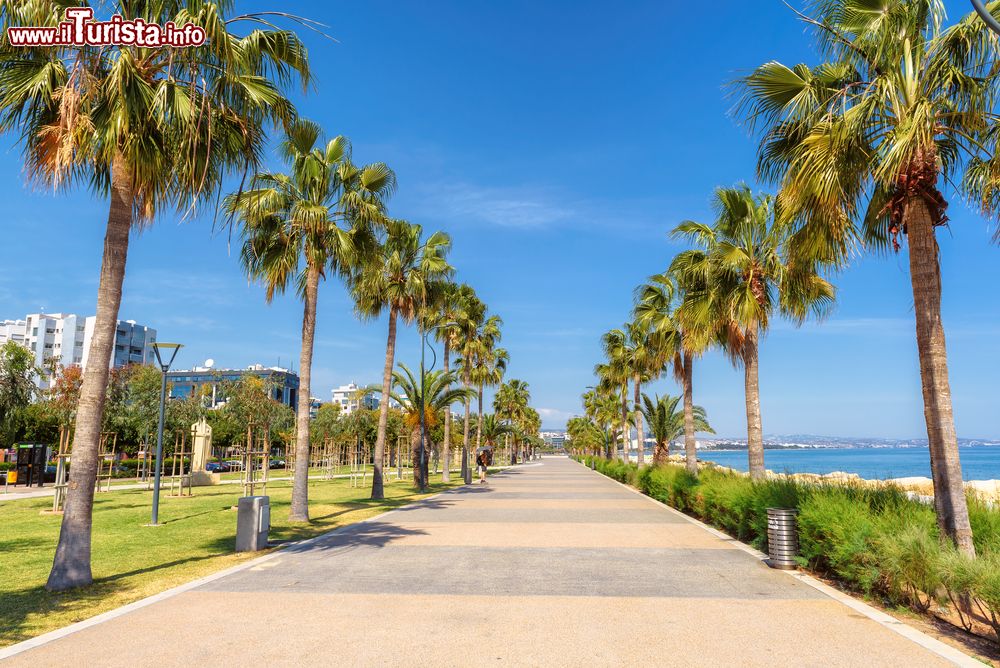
{"points": [[131, 561]]}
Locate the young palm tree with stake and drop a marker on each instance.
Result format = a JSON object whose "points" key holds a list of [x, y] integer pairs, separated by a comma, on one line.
{"points": [[151, 130], [435, 394]]}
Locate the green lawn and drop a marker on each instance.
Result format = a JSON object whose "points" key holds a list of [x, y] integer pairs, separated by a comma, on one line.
{"points": [[131, 561]]}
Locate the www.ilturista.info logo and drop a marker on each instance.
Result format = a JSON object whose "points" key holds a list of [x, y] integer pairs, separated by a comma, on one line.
{"points": [[80, 29]]}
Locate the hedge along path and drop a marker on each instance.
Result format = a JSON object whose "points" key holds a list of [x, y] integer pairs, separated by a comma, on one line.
{"points": [[545, 565]]}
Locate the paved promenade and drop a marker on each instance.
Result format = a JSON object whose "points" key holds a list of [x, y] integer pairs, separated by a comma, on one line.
{"points": [[549, 565]]}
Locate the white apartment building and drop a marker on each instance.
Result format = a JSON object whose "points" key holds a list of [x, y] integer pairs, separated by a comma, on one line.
{"points": [[66, 338], [349, 398]]}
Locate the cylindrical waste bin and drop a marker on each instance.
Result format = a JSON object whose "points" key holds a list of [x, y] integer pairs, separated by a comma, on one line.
{"points": [[253, 521], [782, 538]]}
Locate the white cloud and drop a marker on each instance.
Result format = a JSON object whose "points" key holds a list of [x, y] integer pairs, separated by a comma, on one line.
{"points": [[553, 416], [504, 206]]}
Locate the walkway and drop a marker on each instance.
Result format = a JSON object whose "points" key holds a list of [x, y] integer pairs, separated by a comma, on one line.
{"points": [[549, 565]]}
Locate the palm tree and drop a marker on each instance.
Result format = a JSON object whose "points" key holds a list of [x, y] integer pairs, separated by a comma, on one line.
{"points": [[601, 407], [151, 130], [494, 427], [449, 314], [614, 374], [322, 212], [666, 423], [474, 317], [741, 276], [485, 362], [642, 353], [435, 395], [658, 303], [397, 278], [511, 404], [584, 435], [859, 145]]}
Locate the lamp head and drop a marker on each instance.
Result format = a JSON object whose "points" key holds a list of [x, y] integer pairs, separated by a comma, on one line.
{"points": [[172, 347]]}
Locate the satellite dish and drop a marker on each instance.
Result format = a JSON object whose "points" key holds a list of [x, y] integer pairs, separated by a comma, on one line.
{"points": [[209, 363]]}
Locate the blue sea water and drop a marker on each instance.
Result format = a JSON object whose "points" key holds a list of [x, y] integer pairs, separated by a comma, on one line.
{"points": [[978, 462]]}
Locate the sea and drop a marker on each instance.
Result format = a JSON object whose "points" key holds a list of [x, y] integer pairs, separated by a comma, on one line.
{"points": [[980, 462]]}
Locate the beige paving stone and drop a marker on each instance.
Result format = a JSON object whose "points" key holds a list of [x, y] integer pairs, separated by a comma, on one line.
{"points": [[230, 629]]}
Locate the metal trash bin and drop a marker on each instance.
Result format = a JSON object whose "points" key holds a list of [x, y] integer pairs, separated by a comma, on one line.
{"points": [[253, 521], [782, 538]]}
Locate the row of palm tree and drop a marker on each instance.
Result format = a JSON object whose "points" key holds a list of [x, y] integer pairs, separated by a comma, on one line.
{"points": [[158, 129], [150, 130], [858, 147]]}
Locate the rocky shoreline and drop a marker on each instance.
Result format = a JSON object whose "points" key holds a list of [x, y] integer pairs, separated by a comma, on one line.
{"points": [[917, 486]]}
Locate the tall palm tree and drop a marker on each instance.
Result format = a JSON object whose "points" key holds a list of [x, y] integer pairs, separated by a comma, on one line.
{"points": [[510, 403], [615, 374], [150, 130], [435, 395], [321, 214], [860, 144], [584, 435], [474, 317], [612, 387], [658, 303], [742, 275], [601, 407], [486, 363], [642, 352], [666, 423], [397, 279], [449, 314]]}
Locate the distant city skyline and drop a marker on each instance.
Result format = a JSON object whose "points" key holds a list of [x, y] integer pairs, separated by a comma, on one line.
{"points": [[558, 165]]}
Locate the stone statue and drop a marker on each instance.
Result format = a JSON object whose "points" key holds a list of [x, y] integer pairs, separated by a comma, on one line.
{"points": [[202, 450]]}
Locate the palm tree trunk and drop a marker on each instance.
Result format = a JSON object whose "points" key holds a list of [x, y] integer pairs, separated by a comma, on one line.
{"points": [[690, 444], [446, 446], [755, 435], [638, 420], [418, 468], [946, 468], [626, 430], [300, 486], [465, 437], [383, 408], [71, 565], [479, 427]]}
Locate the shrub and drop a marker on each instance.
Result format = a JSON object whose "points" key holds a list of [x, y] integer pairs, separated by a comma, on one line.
{"points": [[836, 535], [909, 559], [985, 520]]}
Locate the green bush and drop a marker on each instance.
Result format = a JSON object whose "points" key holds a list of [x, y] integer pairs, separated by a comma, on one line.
{"points": [[6, 466]]}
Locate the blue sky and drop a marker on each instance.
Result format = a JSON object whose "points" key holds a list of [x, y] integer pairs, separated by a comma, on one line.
{"points": [[557, 143]]}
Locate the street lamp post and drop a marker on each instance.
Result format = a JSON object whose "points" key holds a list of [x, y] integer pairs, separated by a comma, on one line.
{"points": [[164, 368]]}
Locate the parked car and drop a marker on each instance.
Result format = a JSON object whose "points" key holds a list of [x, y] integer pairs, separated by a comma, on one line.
{"points": [[277, 464], [218, 467]]}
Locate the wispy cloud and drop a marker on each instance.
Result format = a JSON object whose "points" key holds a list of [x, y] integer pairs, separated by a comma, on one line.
{"points": [[161, 286], [553, 416], [858, 326], [513, 206]]}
